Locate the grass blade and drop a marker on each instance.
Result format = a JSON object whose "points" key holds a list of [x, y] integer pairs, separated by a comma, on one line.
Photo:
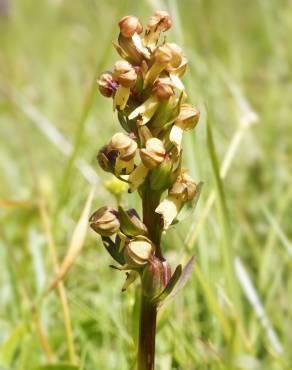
{"points": [[227, 252]]}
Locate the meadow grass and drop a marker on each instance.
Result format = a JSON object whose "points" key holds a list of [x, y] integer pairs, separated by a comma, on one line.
{"points": [[236, 310]]}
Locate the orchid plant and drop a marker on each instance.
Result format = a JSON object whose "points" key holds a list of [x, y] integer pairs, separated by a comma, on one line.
{"points": [[151, 104]]}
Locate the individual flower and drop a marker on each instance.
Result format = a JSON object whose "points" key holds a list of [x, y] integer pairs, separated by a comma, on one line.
{"points": [[130, 45], [151, 156], [105, 221], [187, 120], [125, 74], [183, 190], [159, 22], [163, 90], [166, 57], [138, 252], [125, 147]]}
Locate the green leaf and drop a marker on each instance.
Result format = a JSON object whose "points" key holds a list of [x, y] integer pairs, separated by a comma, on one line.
{"points": [[185, 275], [170, 286], [177, 281]]}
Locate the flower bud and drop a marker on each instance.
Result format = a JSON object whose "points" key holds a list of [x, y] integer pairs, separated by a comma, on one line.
{"points": [[104, 221], [138, 252], [124, 73], [153, 154], [130, 25], [163, 88], [160, 21], [106, 84]]}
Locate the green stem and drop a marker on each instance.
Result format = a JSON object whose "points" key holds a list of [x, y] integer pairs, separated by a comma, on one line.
{"points": [[147, 333], [148, 310]]}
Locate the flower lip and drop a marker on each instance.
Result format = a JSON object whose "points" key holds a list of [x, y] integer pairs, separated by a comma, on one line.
{"points": [[129, 25]]}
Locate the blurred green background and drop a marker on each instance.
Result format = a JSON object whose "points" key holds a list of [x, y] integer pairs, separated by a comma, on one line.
{"points": [[236, 310]]}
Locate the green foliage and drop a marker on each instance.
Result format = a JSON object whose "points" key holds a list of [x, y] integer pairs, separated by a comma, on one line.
{"points": [[239, 72]]}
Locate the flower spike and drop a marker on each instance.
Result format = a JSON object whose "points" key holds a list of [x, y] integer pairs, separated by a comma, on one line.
{"points": [[151, 103]]}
